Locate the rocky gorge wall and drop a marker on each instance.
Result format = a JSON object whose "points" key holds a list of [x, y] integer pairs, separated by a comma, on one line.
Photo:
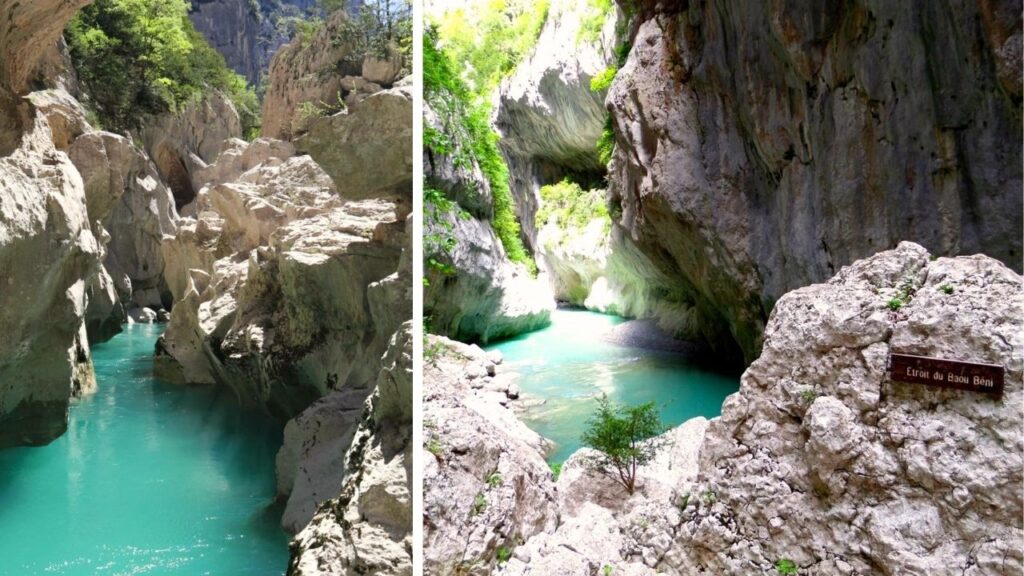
{"points": [[761, 147], [474, 292], [820, 462], [247, 33], [47, 246]]}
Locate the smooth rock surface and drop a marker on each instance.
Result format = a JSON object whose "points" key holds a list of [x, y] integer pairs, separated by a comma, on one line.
{"points": [[367, 529]]}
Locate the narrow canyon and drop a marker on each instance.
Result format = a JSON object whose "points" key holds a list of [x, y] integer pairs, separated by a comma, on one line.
{"points": [[787, 190]]}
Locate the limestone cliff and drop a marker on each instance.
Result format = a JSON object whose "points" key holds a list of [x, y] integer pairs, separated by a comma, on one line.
{"points": [[317, 76], [367, 528], [548, 117], [761, 147], [820, 463], [47, 248], [821, 459], [474, 292], [247, 33]]}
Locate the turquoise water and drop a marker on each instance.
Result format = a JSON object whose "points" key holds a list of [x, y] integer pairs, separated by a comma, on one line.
{"points": [[568, 365], [150, 478]]}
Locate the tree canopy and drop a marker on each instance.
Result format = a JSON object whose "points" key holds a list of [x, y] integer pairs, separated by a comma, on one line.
{"points": [[142, 57]]}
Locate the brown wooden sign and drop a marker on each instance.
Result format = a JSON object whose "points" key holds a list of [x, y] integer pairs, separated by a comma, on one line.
{"points": [[986, 378]]}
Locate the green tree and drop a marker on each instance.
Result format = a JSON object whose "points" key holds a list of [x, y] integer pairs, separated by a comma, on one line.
{"points": [[625, 438], [144, 57]]}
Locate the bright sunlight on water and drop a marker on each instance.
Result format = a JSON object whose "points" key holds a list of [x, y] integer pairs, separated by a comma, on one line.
{"points": [[150, 478], [569, 364]]}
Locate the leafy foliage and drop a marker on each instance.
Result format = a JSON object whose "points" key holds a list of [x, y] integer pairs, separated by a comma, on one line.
{"points": [[143, 57], [597, 14], [606, 142], [786, 566], [378, 27], [626, 439], [569, 206], [470, 118], [603, 80], [489, 39]]}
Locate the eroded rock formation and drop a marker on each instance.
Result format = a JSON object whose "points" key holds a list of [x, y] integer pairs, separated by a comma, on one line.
{"points": [[821, 459], [547, 115], [485, 483], [475, 293], [367, 529], [277, 270], [47, 247], [762, 147], [310, 76]]}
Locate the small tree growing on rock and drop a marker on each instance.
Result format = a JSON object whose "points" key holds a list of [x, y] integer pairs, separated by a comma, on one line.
{"points": [[626, 439]]}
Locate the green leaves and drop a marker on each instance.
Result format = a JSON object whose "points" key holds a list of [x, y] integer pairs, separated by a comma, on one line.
{"points": [[469, 119], [142, 57], [625, 437], [568, 206]]}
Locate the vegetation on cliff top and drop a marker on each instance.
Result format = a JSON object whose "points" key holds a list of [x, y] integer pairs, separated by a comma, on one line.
{"points": [[468, 116], [144, 57], [569, 206]]}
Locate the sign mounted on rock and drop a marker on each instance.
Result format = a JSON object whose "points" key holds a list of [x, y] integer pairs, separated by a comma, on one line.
{"points": [[986, 378]]}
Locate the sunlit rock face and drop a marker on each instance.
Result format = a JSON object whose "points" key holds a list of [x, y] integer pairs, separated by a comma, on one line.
{"points": [[184, 143], [824, 460], [367, 150], [547, 115], [47, 248], [276, 265], [486, 484], [482, 296], [126, 196], [762, 147], [367, 528]]}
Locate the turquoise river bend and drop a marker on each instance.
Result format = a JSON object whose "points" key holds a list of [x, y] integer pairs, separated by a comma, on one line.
{"points": [[150, 478], [569, 363]]}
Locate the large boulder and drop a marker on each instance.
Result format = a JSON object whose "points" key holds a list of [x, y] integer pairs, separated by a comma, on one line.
{"points": [[183, 143], [485, 483], [311, 462], [367, 149], [367, 528], [745, 172], [823, 460]]}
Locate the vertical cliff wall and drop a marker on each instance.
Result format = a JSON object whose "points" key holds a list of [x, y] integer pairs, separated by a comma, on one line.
{"points": [[47, 248], [247, 32], [761, 146]]}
